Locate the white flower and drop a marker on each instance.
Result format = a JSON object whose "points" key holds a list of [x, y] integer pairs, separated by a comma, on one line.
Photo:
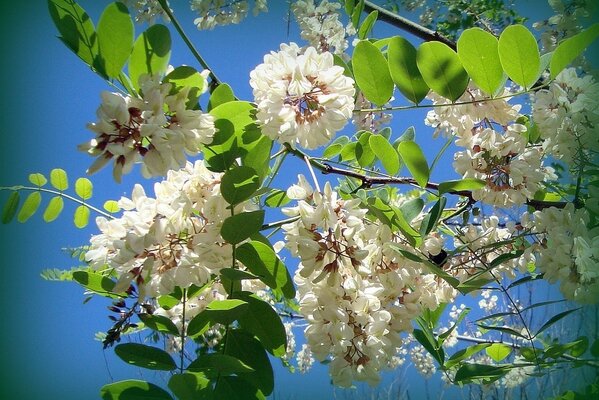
{"points": [[221, 12], [302, 96], [147, 11]]}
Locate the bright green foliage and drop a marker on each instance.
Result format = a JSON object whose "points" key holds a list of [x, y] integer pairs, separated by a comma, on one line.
{"points": [[221, 95], [115, 38], [569, 49], [486, 373], [364, 153], [404, 70], [498, 351], [414, 159], [477, 50], [53, 209], [144, 356], [10, 207], [239, 184], [30, 206], [237, 228], [185, 76], [335, 147], [111, 206], [367, 25], [190, 386], [59, 179], [133, 390], [262, 261], [385, 152], [38, 179], [84, 188], [96, 282], [464, 354], [81, 217], [371, 72], [151, 53], [278, 198], [218, 311], [461, 184], [430, 220], [159, 323], [76, 29], [519, 55], [216, 364], [442, 69]]}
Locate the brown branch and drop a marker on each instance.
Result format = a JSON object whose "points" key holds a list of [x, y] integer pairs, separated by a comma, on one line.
{"points": [[402, 23]]}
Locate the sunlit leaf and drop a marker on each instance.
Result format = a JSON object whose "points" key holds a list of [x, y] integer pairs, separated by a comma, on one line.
{"points": [[519, 55], [461, 184], [111, 206], [572, 47], [84, 188], [414, 159], [372, 73], [385, 152], [30, 206], [38, 179], [58, 179], [498, 351], [81, 217], [144, 356], [115, 38], [187, 77], [478, 52], [404, 70], [133, 390], [442, 69], [221, 95], [239, 184], [151, 53], [367, 25], [53, 209], [237, 228]]}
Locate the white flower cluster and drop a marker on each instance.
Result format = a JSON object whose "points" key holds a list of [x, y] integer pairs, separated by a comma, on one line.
{"points": [[516, 377], [157, 129], [423, 361], [302, 96], [371, 121], [223, 12], [567, 114], [565, 23], [496, 149], [355, 289], [167, 241], [304, 359], [147, 11], [320, 25], [487, 302], [568, 251]]}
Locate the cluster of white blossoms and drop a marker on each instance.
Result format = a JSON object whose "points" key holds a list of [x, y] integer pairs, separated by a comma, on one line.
{"points": [[168, 241], [568, 251], [487, 302], [156, 128], [355, 289], [320, 25], [567, 114], [371, 121], [223, 12], [302, 97], [147, 11], [495, 147]]}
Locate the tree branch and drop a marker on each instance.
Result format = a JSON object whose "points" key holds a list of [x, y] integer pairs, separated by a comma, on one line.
{"points": [[415, 29]]}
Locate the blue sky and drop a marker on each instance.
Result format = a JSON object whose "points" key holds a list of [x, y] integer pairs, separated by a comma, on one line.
{"points": [[48, 96]]}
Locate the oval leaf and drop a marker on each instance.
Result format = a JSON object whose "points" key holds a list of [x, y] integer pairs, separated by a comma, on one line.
{"points": [[498, 351], [38, 179], [81, 217], [414, 159], [84, 188], [243, 346], [185, 76], [461, 184], [115, 38], [159, 323], [442, 69], [569, 49], [144, 356], [58, 179], [151, 53], [519, 55], [215, 364], [54, 209], [111, 206], [385, 152], [239, 184], [10, 207], [190, 386], [133, 390], [372, 73], [404, 70], [478, 52], [239, 227], [221, 95], [30, 206]]}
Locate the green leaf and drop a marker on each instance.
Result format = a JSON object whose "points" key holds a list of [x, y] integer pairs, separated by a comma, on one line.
{"points": [[411, 209], [58, 179], [96, 283], [356, 13], [84, 188], [430, 220], [216, 364], [442, 69], [53, 209], [572, 47], [478, 52], [519, 55], [10, 207], [111, 206], [595, 348], [578, 347], [278, 198], [554, 319], [250, 351], [364, 153], [464, 354], [404, 70], [221, 95], [186, 77], [385, 152], [263, 321], [190, 386], [30, 206], [133, 390], [461, 184], [414, 159], [236, 388], [262, 261], [115, 38], [159, 323], [239, 184], [81, 217], [144, 356], [430, 344], [335, 147], [76, 28], [151, 53], [239, 227], [367, 25], [488, 373], [258, 155], [38, 179], [218, 311], [498, 351], [372, 73]]}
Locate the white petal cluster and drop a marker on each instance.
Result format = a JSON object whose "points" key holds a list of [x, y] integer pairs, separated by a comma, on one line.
{"points": [[355, 289], [302, 97], [304, 359], [568, 251], [147, 11], [320, 25], [567, 114], [167, 241], [516, 377], [156, 129], [221, 12]]}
